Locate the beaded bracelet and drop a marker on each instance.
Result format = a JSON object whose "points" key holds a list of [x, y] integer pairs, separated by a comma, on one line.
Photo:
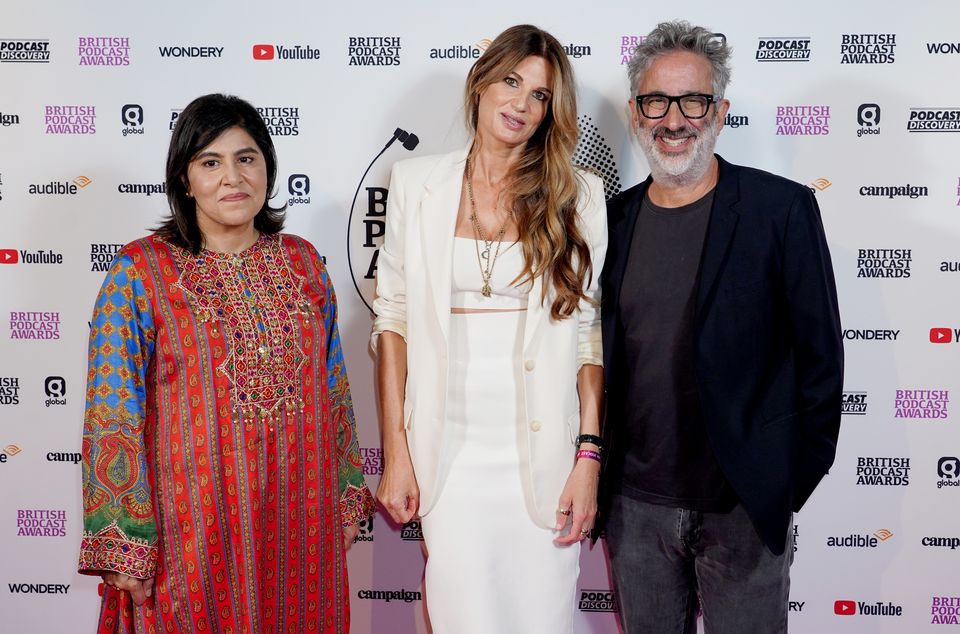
{"points": [[590, 438], [588, 453]]}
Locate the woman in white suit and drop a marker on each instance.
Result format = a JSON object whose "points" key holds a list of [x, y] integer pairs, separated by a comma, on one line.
{"points": [[488, 348]]}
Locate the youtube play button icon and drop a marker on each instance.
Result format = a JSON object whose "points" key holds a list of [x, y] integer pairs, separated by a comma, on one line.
{"points": [[941, 335], [844, 608], [9, 256], [263, 51]]}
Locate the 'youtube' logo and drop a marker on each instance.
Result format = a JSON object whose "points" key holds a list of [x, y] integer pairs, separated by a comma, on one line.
{"points": [[941, 335], [845, 608], [9, 256], [263, 51]]}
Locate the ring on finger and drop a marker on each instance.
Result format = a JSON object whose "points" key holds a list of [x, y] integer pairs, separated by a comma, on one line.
{"points": [[565, 511]]}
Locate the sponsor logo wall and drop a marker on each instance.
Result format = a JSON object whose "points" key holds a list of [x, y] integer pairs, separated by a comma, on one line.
{"points": [[863, 111]]}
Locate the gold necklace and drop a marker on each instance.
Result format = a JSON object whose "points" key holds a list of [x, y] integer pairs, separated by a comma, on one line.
{"points": [[486, 271]]}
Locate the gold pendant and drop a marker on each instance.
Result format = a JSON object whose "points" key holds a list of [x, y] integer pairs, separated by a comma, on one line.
{"points": [[485, 290]]}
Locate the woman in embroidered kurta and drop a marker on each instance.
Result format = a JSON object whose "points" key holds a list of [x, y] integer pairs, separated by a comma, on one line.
{"points": [[222, 482]]}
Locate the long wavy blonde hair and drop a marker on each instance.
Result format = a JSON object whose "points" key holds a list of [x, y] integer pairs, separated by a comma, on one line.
{"points": [[543, 187]]}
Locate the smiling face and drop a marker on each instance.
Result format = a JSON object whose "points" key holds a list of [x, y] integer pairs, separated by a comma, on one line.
{"points": [[228, 181], [679, 150], [511, 109]]}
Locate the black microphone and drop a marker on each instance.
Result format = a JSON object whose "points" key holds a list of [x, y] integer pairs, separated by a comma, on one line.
{"points": [[409, 140]]}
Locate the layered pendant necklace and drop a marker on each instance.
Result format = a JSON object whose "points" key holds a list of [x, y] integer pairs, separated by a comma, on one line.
{"points": [[485, 262]]}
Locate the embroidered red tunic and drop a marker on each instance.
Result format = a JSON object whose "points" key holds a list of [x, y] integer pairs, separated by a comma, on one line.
{"points": [[219, 451]]}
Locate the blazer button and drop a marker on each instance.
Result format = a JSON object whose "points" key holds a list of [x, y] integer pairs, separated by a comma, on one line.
{"points": [[529, 365], [535, 425]]}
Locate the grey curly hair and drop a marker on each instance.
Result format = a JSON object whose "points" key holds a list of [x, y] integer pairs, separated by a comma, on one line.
{"points": [[680, 35]]}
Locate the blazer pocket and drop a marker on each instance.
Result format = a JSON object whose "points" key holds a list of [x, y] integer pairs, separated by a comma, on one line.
{"points": [[779, 420]]}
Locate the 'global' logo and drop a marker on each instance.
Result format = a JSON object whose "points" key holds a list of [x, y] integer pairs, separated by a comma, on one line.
{"points": [[55, 387], [299, 187], [868, 117], [366, 530], [131, 115], [948, 468]]}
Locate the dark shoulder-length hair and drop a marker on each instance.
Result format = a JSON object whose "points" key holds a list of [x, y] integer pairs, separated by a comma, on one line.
{"points": [[543, 187], [199, 125]]}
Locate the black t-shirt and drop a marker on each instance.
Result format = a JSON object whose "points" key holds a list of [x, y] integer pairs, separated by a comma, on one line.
{"points": [[665, 455]]}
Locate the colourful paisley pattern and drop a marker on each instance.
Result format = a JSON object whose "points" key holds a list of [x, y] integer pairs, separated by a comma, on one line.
{"points": [[220, 448]]}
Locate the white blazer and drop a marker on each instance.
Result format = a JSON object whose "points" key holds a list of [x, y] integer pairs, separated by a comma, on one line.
{"points": [[413, 300]]}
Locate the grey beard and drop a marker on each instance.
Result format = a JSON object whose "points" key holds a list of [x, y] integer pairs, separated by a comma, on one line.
{"points": [[673, 175]]}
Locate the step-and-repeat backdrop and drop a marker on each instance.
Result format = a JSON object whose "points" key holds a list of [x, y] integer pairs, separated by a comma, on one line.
{"points": [[861, 103]]}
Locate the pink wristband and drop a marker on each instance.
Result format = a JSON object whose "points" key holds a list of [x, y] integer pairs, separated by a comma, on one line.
{"points": [[588, 453]]}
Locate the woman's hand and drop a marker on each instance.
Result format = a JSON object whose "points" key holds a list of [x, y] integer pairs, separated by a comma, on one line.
{"points": [[140, 589], [398, 491], [578, 502]]}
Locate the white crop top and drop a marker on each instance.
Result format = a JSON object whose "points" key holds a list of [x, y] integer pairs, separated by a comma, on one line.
{"points": [[467, 280]]}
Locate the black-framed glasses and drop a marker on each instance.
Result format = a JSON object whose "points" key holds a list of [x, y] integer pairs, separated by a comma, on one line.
{"points": [[692, 106]]}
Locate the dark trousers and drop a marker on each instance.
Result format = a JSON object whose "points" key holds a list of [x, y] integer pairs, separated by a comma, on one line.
{"points": [[668, 560]]}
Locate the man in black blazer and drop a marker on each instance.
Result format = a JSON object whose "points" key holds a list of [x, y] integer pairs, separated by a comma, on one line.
{"points": [[723, 359]]}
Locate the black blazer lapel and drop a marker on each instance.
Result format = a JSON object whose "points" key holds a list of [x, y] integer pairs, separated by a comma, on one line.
{"points": [[622, 219], [720, 231]]}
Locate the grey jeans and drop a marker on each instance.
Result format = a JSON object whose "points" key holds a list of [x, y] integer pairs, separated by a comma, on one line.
{"points": [[667, 562]]}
